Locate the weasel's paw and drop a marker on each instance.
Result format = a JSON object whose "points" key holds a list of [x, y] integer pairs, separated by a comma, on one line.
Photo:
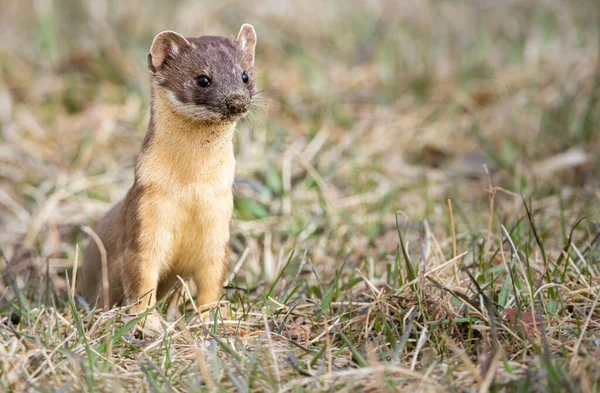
{"points": [[208, 311], [151, 326]]}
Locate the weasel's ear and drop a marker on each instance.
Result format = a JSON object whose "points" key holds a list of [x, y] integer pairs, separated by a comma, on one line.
{"points": [[165, 44], [246, 39]]}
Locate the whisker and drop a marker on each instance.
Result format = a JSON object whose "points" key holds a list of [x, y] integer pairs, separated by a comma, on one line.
{"points": [[261, 108], [273, 101], [258, 92], [253, 118]]}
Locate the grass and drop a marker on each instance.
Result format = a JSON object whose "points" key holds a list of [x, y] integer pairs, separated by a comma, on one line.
{"points": [[417, 198]]}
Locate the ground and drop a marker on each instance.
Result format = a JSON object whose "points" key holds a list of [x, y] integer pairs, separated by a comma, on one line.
{"points": [[417, 197]]}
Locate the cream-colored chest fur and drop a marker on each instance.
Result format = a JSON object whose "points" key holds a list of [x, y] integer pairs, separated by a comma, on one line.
{"points": [[186, 173]]}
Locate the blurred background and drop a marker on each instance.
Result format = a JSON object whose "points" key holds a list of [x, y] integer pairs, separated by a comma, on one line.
{"points": [[369, 108]]}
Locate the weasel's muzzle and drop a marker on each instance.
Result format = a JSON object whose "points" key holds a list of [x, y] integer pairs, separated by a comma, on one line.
{"points": [[236, 103]]}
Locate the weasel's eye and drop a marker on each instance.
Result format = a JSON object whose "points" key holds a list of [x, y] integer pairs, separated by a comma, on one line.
{"points": [[245, 78], [203, 81]]}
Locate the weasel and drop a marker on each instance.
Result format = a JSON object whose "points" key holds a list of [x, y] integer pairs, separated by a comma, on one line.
{"points": [[175, 219]]}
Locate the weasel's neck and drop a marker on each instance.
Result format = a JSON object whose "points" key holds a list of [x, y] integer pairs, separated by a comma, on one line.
{"points": [[178, 149]]}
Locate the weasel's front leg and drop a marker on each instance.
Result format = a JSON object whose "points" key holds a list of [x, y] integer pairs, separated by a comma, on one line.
{"points": [[146, 257], [140, 281], [209, 278]]}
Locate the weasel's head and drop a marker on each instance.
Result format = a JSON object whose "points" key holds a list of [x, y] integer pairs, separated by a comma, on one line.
{"points": [[208, 79]]}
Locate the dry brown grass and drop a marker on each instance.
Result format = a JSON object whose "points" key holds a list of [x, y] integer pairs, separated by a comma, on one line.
{"points": [[374, 115]]}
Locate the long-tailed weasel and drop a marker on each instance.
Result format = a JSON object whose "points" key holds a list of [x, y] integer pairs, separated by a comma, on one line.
{"points": [[175, 218]]}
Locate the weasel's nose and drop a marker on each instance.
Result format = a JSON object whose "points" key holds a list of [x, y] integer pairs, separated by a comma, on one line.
{"points": [[236, 103]]}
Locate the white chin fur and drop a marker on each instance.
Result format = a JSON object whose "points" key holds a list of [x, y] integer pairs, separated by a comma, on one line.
{"points": [[193, 111]]}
